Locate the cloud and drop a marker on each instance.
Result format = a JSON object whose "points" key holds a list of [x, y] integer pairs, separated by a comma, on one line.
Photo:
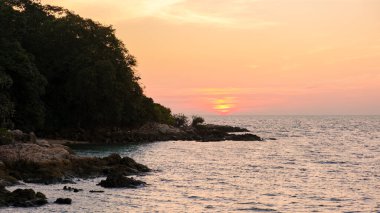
{"points": [[221, 13], [234, 14]]}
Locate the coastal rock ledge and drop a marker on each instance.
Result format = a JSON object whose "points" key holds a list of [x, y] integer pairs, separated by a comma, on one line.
{"points": [[36, 163], [152, 132]]}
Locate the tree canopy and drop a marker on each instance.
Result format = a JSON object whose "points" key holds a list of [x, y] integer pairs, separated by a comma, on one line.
{"points": [[59, 70]]}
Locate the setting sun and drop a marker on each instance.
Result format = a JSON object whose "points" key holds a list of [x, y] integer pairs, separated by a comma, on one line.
{"points": [[223, 106]]}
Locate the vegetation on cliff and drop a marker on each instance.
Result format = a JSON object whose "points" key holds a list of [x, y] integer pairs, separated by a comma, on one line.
{"points": [[61, 71]]}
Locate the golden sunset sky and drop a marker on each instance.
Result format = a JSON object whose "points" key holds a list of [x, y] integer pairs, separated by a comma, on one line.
{"points": [[250, 56]]}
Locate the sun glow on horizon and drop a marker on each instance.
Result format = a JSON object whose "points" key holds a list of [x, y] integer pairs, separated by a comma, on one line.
{"points": [[222, 101], [224, 106]]}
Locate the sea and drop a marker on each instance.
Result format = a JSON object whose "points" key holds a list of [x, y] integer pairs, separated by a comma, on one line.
{"points": [[316, 164]]}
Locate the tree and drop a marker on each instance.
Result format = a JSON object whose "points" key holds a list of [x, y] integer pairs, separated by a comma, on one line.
{"points": [[6, 105], [26, 88], [197, 120], [59, 70]]}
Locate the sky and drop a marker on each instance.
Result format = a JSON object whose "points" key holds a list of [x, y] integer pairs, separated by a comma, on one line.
{"points": [[260, 57]]}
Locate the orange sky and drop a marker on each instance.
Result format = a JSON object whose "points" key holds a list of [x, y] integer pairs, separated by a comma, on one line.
{"points": [[250, 56]]}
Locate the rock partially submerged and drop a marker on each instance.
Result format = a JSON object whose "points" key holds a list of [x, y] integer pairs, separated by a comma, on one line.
{"points": [[72, 189], [243, 137], [64, 201], [118, 180], [21, 198], [211, 132], [5, 178]]}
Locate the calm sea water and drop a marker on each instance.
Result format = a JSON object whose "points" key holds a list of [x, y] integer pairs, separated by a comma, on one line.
{"points": [[317, 164]]}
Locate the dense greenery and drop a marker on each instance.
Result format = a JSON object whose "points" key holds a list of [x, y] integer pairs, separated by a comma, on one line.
{"points": [[59, 70]]}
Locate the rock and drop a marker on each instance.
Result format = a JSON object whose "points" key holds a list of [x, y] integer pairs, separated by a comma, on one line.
{"points": [[64, 201], [33, 152], [120, 181], [157, 128], [7, 181], [134, 165], [113, 159], [68, 188], [5, 178], [21, 198], [33, 163], [32, 137], [244, 137], [43, 143], [20, 136]]}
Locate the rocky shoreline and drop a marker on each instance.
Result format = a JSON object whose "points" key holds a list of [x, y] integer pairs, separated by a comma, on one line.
{"points": [[25, 158], [152, 132], [31, 160]]}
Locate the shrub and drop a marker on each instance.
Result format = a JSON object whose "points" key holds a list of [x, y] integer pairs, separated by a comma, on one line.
{"points": [[180, 120], [197, 120]]}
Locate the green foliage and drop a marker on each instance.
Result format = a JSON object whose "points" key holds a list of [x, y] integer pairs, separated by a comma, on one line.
{"points": [[180, 120], [23, 88], [21, 83], [5, 137], [163, 114], [58, 70], [6, 105], [197, 120]]}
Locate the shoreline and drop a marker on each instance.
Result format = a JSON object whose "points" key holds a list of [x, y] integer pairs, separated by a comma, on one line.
{"points": [[152, 132], [24, 157]]}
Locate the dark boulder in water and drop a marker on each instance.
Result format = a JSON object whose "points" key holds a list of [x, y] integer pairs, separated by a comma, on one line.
{"points": [[132, 164], [21, 198], [65, 201], [120, 181], [243, 137], [68, 188]]}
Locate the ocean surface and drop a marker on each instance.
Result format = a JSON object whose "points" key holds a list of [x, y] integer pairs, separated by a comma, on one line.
{"points": [[317, 164]]}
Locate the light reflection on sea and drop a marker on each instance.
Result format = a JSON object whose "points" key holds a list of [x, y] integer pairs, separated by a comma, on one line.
{"points": [[318, 164]]}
